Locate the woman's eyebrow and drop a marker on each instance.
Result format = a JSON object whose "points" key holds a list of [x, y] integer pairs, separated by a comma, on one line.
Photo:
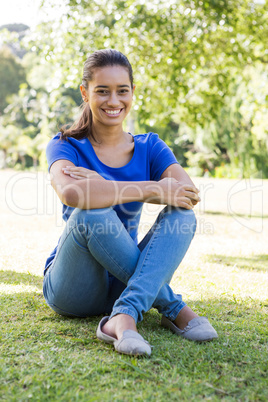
{"points": [[106, 86]]}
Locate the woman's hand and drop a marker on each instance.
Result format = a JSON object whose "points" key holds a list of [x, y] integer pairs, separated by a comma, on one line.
{"points": [[172, 192], [79, 173]]}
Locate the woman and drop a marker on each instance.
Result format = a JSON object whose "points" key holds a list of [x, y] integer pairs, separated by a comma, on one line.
{"points": [[103, 175]]}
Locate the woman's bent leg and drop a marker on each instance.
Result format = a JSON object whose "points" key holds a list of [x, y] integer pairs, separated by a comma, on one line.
{"points": [[166, 246], [78, 282], [94, 242]]}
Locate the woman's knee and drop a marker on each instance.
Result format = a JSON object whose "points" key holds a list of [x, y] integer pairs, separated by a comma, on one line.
{"points": [[183, 220], [83, 219], [85, 214], [190, 220]]}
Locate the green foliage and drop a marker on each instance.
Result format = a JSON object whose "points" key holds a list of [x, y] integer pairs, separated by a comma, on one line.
{"points": [[200, 69], [34, 114], [188, 59], [238, 137], [12, 74], [175, 48]]}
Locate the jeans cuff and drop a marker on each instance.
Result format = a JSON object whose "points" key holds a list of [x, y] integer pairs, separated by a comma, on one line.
{"points": [[172, 316], [123, 310]]}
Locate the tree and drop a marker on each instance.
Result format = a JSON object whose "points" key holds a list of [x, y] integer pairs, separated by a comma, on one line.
{"points": [[34, 115], [189, 57], [179, 49], [8, 137], [12, 74]]}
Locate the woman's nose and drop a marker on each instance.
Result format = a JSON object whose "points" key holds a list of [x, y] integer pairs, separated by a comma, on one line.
{"points": [[113, 100]]}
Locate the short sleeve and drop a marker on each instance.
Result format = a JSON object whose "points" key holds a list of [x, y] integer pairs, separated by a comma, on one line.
{"points": [[60, 149], [161, 157]]}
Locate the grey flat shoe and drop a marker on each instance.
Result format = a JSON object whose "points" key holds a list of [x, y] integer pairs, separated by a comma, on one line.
{"points": [[198, 329], [131, 342]]}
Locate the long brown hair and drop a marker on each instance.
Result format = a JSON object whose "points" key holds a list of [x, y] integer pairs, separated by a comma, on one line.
{"points": [[101, 58]]}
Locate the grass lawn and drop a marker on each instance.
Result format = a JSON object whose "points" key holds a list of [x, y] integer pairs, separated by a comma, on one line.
{"points": [[46, 357]]}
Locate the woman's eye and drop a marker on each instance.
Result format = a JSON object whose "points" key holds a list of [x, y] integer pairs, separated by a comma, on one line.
{"points": [[105, 92]]}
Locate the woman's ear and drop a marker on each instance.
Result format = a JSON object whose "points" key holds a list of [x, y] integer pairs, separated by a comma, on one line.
{"points": [[84, 93]]}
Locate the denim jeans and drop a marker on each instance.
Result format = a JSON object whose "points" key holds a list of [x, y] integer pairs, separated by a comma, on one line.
{"points": [[98, 267]]}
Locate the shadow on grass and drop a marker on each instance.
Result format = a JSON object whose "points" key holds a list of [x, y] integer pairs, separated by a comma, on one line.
{"points": [[27, 312], [256, 262], [23, 299], [246, 312], [226, 314]]}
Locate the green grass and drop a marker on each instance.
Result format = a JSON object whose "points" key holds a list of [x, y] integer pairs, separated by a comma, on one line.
{"points": [[255, 262], [46, 357]]}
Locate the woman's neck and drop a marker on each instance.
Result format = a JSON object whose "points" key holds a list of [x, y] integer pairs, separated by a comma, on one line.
{"points": [[109, 135]]}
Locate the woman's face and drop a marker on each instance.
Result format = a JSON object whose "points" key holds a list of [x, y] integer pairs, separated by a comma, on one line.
{"points": [[109, 95]]}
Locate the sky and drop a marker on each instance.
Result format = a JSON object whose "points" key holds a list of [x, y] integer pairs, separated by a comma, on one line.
{"points": [[19, 11], [23, 11]]}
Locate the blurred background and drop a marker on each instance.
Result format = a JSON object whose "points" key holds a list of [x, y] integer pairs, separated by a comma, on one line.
{"points": [[200, 68]]}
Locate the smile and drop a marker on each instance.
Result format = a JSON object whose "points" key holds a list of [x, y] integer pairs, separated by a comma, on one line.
{"points": [[112, 112]]}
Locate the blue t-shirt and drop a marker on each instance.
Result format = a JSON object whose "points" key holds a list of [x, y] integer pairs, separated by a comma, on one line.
{"points": [[150, 158]]}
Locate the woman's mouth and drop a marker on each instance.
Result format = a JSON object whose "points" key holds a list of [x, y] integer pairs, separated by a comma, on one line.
{"points": [[112, 112]]}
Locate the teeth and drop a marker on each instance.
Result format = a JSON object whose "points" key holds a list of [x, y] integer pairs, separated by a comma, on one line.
{"points": [[112, 111]]}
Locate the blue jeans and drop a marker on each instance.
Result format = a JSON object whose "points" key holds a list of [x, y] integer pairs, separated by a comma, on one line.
{"points": [[98, 267]]}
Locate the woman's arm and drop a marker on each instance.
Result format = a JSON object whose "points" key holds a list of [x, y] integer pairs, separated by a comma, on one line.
{"points": [[177, 172], [85, 189], [96, 192]]}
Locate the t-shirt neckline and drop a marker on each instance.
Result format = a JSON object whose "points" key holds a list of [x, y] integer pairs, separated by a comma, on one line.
{"points": [[110, 167]]}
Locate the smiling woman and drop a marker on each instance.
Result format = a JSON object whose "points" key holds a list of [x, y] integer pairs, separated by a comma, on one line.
{"points": [[112, 98], [107, 90], [103, 175]]}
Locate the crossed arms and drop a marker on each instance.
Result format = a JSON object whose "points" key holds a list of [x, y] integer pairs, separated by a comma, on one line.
{"points": [[83, 188]]}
